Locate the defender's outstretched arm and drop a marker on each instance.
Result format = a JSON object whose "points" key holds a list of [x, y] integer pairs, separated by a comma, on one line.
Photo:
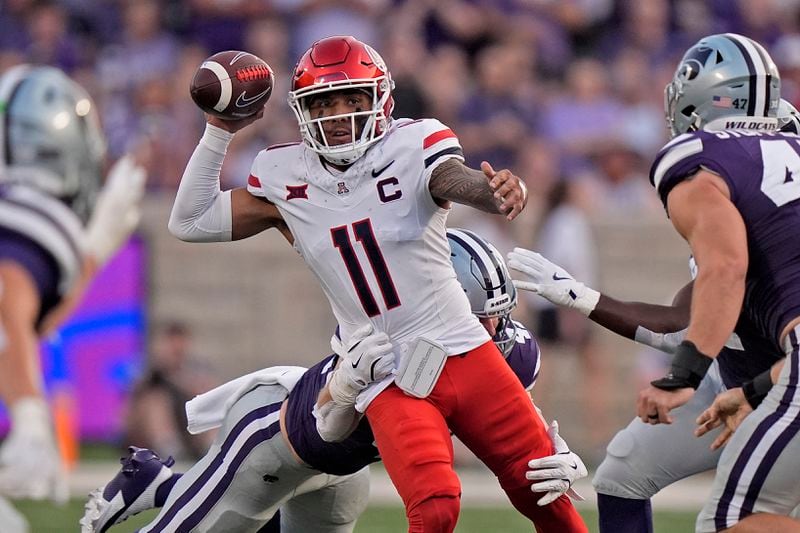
{"points": [[660, 326]]}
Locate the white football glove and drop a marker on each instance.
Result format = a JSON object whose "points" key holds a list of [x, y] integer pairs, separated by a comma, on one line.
{"points": [[551, 281], [117, 211], [556, 474], [367, 357]]}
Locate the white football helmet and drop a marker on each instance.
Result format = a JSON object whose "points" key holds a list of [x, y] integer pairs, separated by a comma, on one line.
{"points": [[720, 78], [788, 117], [483, 275], [50, 136]]}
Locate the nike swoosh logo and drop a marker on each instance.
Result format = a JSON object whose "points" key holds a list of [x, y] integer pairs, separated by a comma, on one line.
{"points": [[376, 173], [237, 57], [355, 365], [556, 278], [372, 369], [244, 100], [574, 465]]}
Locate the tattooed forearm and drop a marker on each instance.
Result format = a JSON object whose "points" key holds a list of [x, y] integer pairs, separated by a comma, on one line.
{"points": [[454, 181]]}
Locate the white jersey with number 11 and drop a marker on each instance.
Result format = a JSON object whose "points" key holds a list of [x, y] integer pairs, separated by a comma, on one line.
{"points": [[373, 234]]}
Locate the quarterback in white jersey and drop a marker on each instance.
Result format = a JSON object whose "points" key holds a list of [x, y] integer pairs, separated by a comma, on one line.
{"points": [[374, 236], [364, 200]]}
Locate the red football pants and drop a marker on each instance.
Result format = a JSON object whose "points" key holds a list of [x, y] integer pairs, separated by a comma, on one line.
{"points": [[481, 400]]}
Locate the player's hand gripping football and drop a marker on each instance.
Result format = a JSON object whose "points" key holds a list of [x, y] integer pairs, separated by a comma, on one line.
{"points": [[233, 125], [551, 281], [555, 474], [367, 357], [117, 210], [508, 189], [729, 408]]}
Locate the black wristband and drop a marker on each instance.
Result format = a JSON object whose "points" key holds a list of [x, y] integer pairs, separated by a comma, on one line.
{"points": [[757, 388], [689, 366]]}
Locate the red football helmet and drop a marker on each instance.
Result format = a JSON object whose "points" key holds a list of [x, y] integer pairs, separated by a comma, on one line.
{"points": [[333, 64]]}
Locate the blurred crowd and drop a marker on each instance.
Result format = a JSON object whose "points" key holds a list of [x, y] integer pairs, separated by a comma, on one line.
{"points": [[555, 89], [567, 93]]}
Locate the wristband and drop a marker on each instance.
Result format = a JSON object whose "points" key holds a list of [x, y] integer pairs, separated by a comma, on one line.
{"points": [[689, 366], [757, 388], [216, 139], [31, 416], [665, 342], [587, 302]]}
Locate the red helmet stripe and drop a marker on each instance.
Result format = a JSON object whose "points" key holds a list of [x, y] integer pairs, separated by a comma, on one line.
{"points": [[434, 138]]}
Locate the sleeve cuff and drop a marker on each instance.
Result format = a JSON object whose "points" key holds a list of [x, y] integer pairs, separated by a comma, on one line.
{"points": [[216, 139]]}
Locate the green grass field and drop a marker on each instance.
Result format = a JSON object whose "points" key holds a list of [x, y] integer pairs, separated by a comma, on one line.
{"points": [[45, 518]]}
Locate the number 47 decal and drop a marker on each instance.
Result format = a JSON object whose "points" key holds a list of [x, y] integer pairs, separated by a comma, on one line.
{"points": [[362, 230]]}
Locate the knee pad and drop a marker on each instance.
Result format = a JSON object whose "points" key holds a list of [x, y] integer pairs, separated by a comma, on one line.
{"points": [[436, 514], [618, 476]]}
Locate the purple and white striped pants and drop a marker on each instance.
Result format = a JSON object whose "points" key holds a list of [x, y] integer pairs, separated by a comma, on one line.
{"points": [[249, 472], [758, 470]]}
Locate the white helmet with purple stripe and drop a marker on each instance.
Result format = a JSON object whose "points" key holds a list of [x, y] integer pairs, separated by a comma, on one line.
{"points": [[788, 117], [720, 79], [50, 136], [483, 274]]}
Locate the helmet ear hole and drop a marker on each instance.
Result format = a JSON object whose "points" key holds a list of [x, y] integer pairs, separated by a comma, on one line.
{"points": [[688, 110]]}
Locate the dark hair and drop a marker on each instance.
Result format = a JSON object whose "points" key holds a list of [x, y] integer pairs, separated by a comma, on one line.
{"points": [[176, 328]]}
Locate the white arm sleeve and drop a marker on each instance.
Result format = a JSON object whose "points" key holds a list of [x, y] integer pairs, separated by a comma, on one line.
{"points": [[665, 342], [202, 212]]}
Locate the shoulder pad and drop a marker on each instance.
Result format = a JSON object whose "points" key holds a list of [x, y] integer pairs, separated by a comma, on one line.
{"points": [[672, 154]]}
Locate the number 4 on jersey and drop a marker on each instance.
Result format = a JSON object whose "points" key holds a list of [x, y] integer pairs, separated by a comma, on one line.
{"points": [[364, 234], [781, 180]]}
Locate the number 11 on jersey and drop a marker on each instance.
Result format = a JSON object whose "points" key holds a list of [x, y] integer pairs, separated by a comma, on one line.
{"points": [[362, 230]]}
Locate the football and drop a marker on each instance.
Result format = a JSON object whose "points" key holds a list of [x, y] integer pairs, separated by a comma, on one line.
{"points": [[232, 84]]}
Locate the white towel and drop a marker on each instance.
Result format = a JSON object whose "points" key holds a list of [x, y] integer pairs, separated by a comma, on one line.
{"points": [[208, 410]]}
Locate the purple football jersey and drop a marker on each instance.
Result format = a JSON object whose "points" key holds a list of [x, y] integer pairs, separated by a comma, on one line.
{"points": [[358, 450], [42, 235], [755, 355], [338, 458], [762, 171], [39, 265]]}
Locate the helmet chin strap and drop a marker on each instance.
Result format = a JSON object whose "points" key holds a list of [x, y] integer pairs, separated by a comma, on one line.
{"points": [[341, 159]]}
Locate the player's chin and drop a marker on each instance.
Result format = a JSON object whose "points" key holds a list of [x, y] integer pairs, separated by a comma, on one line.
{"points": [[339, 140]]}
